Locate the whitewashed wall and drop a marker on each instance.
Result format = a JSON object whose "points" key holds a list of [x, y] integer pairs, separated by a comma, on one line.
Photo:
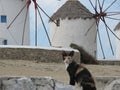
{"points": [[73, 31], [11, 8], [117, 45]]}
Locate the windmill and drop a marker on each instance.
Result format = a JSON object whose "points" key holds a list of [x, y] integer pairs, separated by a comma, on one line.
{"points": [[73, 19], [37, 12], [103, 14], [13, 34]]}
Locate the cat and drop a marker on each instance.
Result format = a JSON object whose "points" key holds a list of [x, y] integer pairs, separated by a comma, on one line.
{"points": [[77, 72]]}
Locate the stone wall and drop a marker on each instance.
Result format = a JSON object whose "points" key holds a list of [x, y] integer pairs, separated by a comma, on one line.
{"points": [[34, 53], [27, 83], [44, 83], [109, 62], [108, 83], [41, 54]]}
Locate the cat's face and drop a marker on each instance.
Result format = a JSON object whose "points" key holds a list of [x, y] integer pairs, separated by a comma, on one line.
{"points": [[67, 57]]}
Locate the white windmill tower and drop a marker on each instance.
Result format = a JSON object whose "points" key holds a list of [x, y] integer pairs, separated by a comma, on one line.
{"points": [[74, 21], [117, 31], [14, 34]]}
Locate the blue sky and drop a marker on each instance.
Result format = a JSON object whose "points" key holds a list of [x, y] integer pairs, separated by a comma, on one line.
{"points": [[50, 6]]}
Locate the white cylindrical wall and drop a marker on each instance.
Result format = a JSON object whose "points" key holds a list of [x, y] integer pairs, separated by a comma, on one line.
{"points": [[14, 34], [73, 31], [117, 45]]}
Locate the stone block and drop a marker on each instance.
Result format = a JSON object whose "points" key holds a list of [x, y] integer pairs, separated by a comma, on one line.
{"points": [[114, 85], [25, 83]]}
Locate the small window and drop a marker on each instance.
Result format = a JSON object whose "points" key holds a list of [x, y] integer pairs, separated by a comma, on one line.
{"points": [[4, 42], [3, 18]]}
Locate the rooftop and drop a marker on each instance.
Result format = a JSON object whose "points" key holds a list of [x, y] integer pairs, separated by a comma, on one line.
{"points": [[72, 9]]}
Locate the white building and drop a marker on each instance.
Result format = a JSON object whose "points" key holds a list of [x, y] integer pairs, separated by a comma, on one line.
{"points": [[8, 11], [117, 31], [73, 20]]}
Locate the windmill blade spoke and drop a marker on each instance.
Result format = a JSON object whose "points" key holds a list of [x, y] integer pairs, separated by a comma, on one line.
{"points": [[112, 18], [116, 12], [12, 36], [99, 5], [24, 27], [93, 6], [113, 14], [110, 5], [44, 27], [103, 3], [96, 36], [106, 28], [101, 44], [100, 41], [36, 27], [112, 31], [46, 14], [96, 5], [17, 16], [89, 28]]}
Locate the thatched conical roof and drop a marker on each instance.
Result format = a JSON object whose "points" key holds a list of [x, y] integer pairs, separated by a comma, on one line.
{"points": [[72, 9], [117, 27]]}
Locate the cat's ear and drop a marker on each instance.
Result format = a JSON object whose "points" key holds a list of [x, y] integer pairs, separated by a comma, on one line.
{"points": [[71, 53], [64, 53]]}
